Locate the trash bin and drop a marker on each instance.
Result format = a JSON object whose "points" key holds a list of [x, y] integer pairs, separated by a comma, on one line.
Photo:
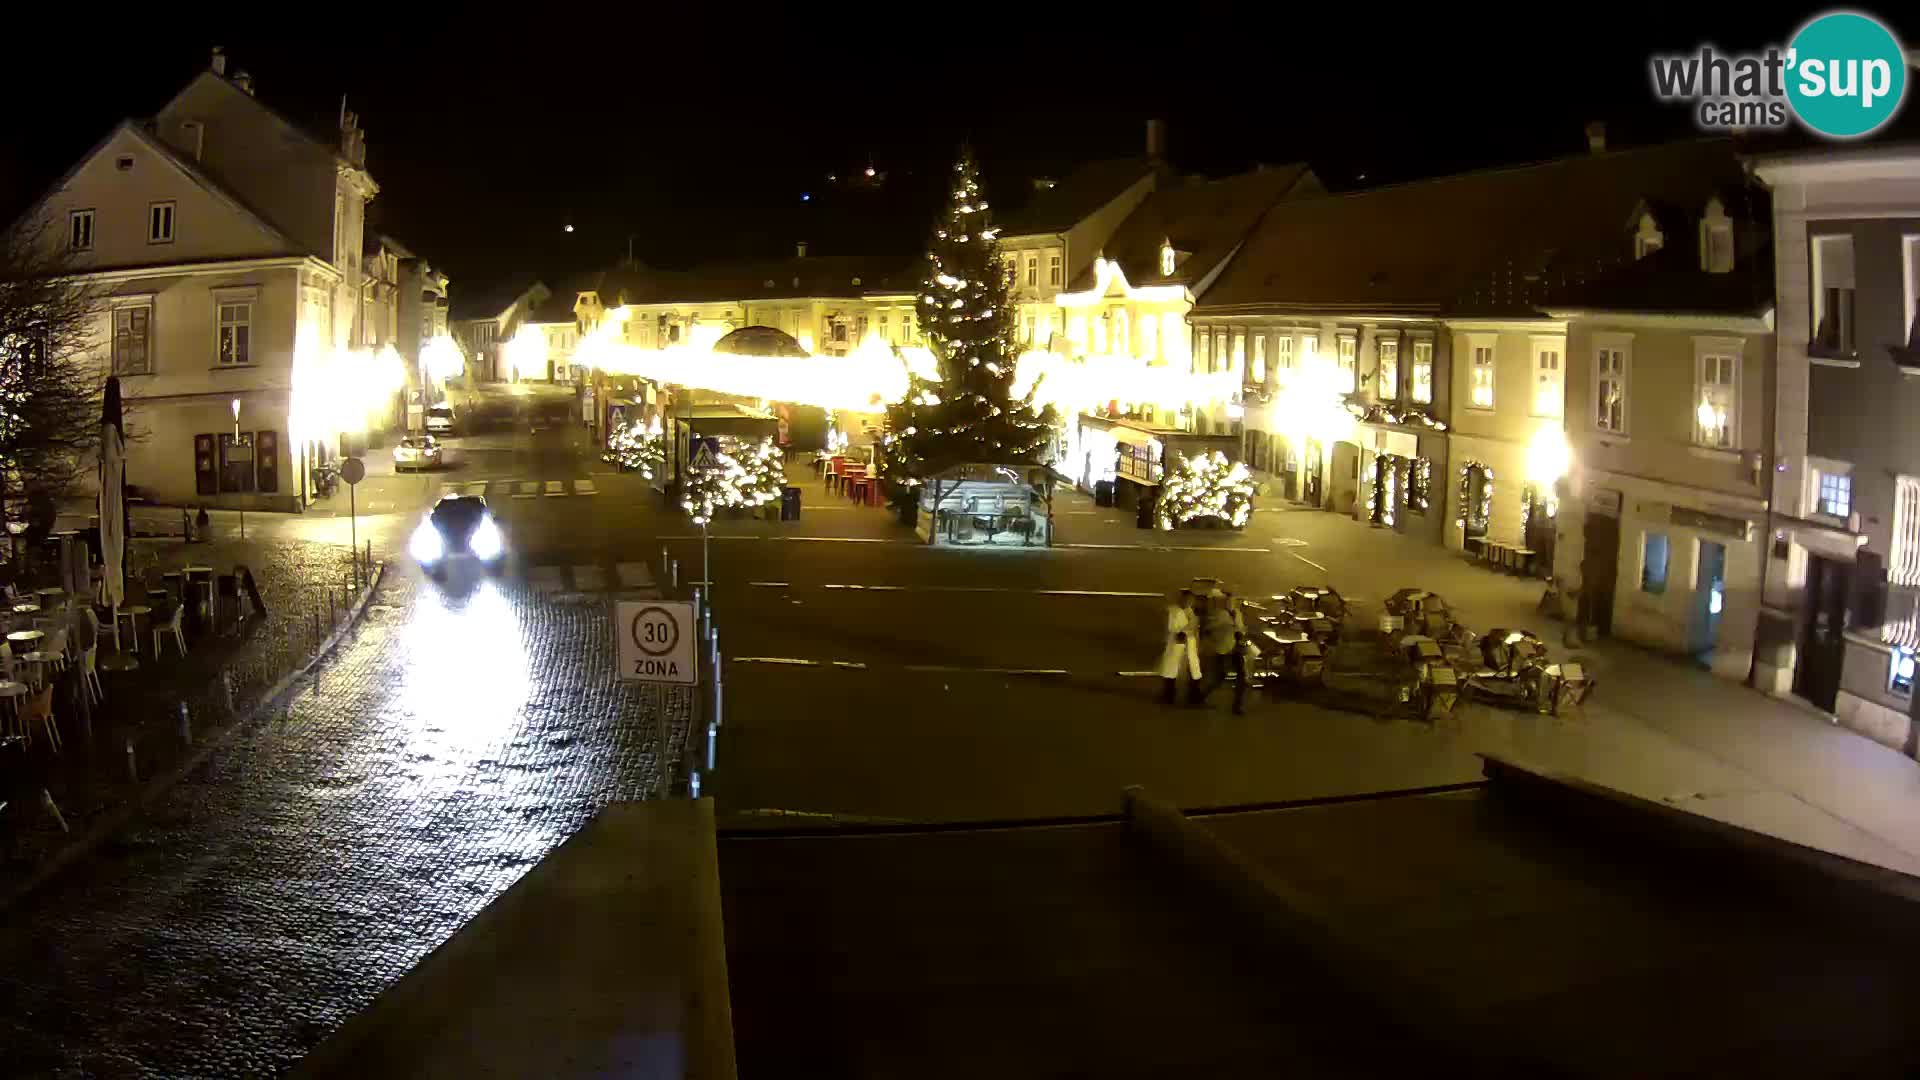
{"points": [[1144, 514], [789, 504], [1103, 493]]}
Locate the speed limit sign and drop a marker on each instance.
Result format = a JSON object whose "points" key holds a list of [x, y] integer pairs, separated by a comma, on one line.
{"points": [[656, 642]]}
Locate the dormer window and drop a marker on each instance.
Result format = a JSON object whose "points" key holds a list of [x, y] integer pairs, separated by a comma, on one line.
{"points": [[1166, 258], [1716, 239], [1648, 238]]}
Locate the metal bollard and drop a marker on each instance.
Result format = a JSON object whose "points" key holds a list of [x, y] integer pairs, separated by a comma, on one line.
{"points": [[693, 785], [133, 770], [186, 725], [675, 573], [696, 603], [713, 737]]}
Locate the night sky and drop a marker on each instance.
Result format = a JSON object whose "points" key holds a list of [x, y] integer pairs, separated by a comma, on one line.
{"points": [[697, 140]]}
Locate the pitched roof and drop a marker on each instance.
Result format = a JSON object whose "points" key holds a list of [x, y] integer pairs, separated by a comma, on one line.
{"points": [[1495, 242], [1205, 220], [488, 301], [1083, 191], [143, 131]]}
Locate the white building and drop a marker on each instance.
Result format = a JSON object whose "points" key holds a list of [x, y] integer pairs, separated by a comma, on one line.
{"points": [[225, 243]]}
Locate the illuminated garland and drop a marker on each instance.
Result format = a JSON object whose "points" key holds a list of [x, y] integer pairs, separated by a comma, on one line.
{"points": [[1419, 484], [1206, 486], [743, 476], [635, 447], [1386, 488], [1485, 516]]}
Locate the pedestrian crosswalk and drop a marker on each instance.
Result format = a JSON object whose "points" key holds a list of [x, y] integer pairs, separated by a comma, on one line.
{"points": [[523, 489], [549, 579]]}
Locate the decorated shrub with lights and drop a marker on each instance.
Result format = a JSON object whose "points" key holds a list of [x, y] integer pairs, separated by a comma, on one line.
{"points": [[636, 447], [1205, 487], [966, 317], [744, 476]]}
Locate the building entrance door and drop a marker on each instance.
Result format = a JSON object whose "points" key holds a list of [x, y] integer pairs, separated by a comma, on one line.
{"points": [[1599, 568], [1822, 635]]}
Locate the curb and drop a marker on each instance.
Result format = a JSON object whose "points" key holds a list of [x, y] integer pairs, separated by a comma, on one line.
{"points": [[160, 784]]}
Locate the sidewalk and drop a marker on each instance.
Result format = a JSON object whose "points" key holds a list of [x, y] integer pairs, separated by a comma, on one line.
{"points": [[223, 677], [1656, 726]]}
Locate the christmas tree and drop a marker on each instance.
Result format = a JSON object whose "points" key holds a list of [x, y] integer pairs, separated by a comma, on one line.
{"points": [[966, 317], [633, 446], [742, 476], [1207, 486]]}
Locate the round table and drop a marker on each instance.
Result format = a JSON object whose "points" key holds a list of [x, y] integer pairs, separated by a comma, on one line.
{"points": [[10, 692], [132, 615], [51, 592], [26, 637], [26, 609], [37, 659]]}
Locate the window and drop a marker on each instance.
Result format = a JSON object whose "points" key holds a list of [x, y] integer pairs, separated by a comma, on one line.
{"points": [[1122, 340], [1610, 387], [1283, 351], [1719, 254], [1548, 391], [1053, 270], [1386, 381], [1012, 263], [1033, 270], [1419, 484], [883, 328], [1648, 238], [80, 230], [1836, 494], [1420, 383], [1716, 413], [1259, 372], [1166, 260], [1221, 361], [1310, 346], [1900, 671], [1832, 293], [160, 223], [1239, 351], [1202, 345], [1481, 391], [236, 334], [1348, 347], [132, 335], [1903, 562], [1150, 337], [887, 336], [1102, 330], [1654, 552]]}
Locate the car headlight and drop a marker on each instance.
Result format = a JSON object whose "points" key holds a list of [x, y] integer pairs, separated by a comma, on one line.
{"points": [[486, 542], [426, 545]]}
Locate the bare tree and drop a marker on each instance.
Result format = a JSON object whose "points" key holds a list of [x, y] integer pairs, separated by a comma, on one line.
{"points": [[50, 382]]}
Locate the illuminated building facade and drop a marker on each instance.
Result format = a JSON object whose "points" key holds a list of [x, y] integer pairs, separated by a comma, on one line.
{"points": [[226, 244]]}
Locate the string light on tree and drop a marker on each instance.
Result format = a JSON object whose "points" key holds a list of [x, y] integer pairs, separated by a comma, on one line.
{"points": [[1206, 486], [743, 476]]}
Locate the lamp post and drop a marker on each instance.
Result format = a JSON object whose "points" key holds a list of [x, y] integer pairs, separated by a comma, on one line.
{"points": [[236, 444]]}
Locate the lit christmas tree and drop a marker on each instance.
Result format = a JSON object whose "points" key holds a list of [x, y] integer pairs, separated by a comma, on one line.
{"points": [[966, 316], [1207, 486], [743, 476], [635, 447]]}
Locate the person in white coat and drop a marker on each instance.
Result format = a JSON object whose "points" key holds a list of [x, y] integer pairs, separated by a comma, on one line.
{"points": [[1182, 648]]}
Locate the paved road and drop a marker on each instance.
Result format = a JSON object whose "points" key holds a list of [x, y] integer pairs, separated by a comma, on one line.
{"points": [[454, 741]]}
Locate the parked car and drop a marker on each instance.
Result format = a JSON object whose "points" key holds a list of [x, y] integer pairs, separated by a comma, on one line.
{"points": [[440, 420], [417, 452]]}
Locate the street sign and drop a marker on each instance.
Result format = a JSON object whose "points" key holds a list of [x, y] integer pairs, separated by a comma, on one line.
{"points": [[353, 470], [703, 452], [656, 642]]}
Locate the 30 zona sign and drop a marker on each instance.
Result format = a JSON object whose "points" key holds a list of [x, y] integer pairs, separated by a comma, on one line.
{"points": [[656, 642]]}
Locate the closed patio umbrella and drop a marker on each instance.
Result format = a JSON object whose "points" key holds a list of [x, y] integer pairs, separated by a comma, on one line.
{"points": [[113, 521]]}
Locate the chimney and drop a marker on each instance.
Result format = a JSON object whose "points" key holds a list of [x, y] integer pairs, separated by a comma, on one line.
{"points": [[1596, 136], [800, 250], [244, 81], [1156, 139], [219, 61]]}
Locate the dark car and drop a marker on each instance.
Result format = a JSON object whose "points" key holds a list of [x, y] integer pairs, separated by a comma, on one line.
{"points": [[460, 527]]}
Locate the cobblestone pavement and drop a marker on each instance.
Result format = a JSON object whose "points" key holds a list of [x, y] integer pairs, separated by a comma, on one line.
{"points": [[455, 739]]}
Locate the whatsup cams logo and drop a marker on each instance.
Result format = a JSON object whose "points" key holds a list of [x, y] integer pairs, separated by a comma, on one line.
{"points": [[1844, 75]]}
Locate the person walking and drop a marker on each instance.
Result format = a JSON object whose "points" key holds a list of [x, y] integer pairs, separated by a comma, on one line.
{"points": [[1226, 633], [1182, 649]]}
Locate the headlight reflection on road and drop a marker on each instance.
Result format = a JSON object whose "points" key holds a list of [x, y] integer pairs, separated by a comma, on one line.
{"points": [[466, 675]]}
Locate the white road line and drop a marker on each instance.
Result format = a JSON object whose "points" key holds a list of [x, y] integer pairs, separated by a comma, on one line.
{"points": [[526, 489], [634, 575], [544, 578], [774, 660], [1252, 550], [854, 665], [1165, 547], [768, 584], [589, 578], [1106, 547], [988, 670], [879, 588], [1309, 562], [1086, 592], [1138, 674], [966, 589], [556, 487], [838, 539], [585, 487]]}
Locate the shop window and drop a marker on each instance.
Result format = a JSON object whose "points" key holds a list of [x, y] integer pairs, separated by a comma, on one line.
{"points": [[1655, 551]]}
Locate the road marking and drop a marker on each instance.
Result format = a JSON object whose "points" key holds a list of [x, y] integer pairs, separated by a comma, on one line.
{"points": [[525, 489], [769, 584], [634, 575], [838, 539], [1092, 592], [1139, 674], [1254, 550], [585, 487], [556, 487], [1106, 547], [988, 670], [852, 664], [788, 660], [544, 579], [589, 578], [1166, 547], [879, 588], [1309, 562]]}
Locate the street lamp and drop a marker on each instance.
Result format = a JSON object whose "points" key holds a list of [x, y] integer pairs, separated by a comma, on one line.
{"points": [[236, 446]]}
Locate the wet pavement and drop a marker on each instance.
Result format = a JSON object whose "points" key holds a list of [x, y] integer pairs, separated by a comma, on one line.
{"points": [[454, 740]]}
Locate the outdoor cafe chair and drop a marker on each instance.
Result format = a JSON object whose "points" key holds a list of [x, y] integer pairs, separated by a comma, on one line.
{"points": [[90, 674], [39, 706], [173, 627]]}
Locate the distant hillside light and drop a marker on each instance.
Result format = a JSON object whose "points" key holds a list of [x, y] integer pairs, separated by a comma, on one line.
{"points": [[568, 226], [869, 170]]}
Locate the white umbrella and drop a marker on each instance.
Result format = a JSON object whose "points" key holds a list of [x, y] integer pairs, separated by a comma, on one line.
{"points": [[113, 522]]}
